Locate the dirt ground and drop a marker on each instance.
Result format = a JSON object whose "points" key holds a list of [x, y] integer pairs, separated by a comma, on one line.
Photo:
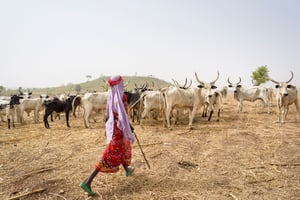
{"points": [[244, 156]]}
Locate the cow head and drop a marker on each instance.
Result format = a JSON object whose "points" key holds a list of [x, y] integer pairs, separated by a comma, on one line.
{"points": [[15, 100], [141, 89], [208, 86], [236, 86], [283, 86]]}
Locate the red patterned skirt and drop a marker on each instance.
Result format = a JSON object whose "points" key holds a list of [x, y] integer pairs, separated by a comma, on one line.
{"points": [[117, 152]]}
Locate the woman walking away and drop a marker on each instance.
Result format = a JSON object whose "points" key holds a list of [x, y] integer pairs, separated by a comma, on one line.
{"points": [[118, 134]]}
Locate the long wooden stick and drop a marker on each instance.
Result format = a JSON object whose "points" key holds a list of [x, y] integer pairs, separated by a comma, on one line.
{"points": [[27, 193], [141, 149]]}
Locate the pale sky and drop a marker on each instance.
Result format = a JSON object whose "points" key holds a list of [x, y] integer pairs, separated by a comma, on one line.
{"points": [[47, 43]]}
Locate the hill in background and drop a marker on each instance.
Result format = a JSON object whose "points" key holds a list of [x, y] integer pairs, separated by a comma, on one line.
{"points": [[99, 84]]}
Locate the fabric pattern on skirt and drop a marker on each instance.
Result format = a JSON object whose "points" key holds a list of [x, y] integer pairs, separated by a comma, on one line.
{"points": [[117, 152]]}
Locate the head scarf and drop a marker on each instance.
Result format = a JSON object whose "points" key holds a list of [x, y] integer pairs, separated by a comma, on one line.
{"points": [[115, 104]]}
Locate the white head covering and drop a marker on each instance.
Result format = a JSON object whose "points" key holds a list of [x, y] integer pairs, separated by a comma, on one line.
{"points": [[115, 104]]}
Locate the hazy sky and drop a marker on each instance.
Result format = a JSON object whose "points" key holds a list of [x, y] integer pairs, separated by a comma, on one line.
{"points": [[45, 43]]}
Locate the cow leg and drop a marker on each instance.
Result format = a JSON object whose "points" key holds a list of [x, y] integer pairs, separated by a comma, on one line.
{"points": [[22, 117], [240, 106], [168, 112], [268, 106], [204, 113], [192, 116], [174, 117], [210, 114], [35, 116], [219, 111], [67, 119], [280, 114], [47, 113], [8, 123], [286, 110], [86, 115]]}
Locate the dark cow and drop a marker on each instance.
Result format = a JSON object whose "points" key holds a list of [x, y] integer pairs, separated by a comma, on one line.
{"points": [[133, 101], [58, 106]]}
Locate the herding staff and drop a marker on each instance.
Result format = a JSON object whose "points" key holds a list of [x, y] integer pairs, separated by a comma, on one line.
{"points": [[141, 149]]}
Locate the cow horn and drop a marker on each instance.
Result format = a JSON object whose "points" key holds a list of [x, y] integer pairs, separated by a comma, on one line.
{"points": [[273, 81], [198, 79], [189, 84], [291, 77], [146, 86], [185, 83], [240, 80], [213, 82], [176, 83], [152, 84], [136, 86], [229, 81]]}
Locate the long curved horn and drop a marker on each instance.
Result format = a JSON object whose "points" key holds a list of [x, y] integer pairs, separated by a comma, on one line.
{"points": [[229, 81], [152, 84], [146, 86], [273, 81], [291, 77], [185, 83], [176, 83], [213, 82], [143, 86], [240, 80], [189, 85], [136, 86], [198, 79]]}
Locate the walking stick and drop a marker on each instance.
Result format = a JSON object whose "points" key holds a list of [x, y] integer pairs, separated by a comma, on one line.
{"points": [[141, 149]]}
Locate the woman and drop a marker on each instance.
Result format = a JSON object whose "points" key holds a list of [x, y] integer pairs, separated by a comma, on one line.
{"points": [[118, 134]]}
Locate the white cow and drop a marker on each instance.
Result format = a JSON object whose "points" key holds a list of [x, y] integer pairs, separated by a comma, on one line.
{"points": [[32, 104], [151, 101], [190, 98], [285, 96], [249, 94], [92, 102], [213, 102]]}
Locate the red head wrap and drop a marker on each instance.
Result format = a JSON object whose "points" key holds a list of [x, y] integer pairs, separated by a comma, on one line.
{"points": [[114, 80]]}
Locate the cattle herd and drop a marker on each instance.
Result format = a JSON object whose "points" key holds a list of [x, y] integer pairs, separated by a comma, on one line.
{"points": [[167, 103]]}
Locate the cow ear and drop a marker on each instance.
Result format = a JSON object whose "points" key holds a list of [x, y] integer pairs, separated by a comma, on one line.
{"points": [[239, 86], [200, 86], [214, 87], [276, 86]]}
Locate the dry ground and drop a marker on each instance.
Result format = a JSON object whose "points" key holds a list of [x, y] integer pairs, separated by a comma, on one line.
{"points": [[244, 156]]}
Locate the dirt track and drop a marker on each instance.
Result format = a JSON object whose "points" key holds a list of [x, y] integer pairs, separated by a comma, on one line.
{"points": [[244, 156]]}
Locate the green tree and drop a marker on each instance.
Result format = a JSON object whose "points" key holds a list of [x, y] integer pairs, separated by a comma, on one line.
{"points": [[78, 88], [260, 75]]}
